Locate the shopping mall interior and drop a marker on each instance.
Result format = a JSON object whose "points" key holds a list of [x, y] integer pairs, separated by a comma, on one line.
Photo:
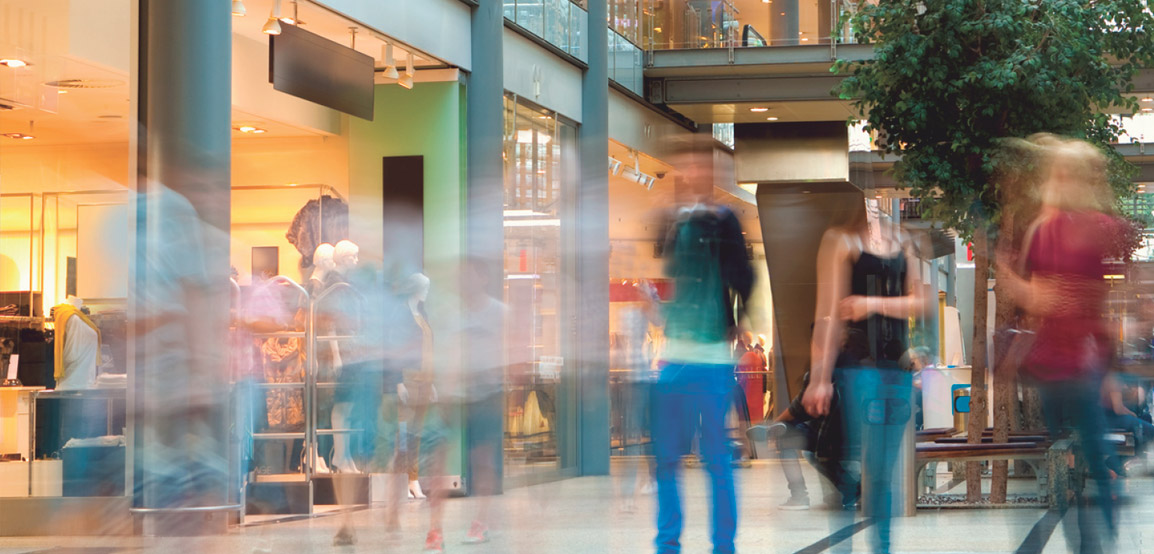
{"points": [[518, 152]]}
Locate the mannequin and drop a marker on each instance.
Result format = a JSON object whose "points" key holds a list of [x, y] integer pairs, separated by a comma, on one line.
{"points": [[418, 380], [327, 269], [324, 265], [324, 269], [346, 256], [77, 346]]}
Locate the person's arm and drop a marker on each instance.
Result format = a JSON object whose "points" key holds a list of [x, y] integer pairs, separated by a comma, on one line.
{"points": [[833, 285], [913, 303]]}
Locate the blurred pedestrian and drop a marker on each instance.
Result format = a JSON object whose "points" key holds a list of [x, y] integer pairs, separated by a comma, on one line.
{"points": [[1058, 280], [869, 285], [706, 260]]}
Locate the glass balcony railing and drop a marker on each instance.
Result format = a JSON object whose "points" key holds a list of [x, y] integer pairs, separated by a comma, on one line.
{"points": [[625, 63], [686, 24], [561, 23]]}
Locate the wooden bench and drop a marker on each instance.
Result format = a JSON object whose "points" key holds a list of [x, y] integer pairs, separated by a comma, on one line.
{"points": [[950, 449]]}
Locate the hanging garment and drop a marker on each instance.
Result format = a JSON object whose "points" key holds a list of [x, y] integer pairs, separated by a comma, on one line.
{"points": [[283, 363], [62, 315], [534, 421], [320, 220]]}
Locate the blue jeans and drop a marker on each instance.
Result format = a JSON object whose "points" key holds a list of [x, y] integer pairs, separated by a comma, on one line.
{"points": [[1075, 405], [687, 397], [876, 406]]}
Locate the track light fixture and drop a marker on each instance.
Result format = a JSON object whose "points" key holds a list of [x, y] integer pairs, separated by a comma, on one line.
{"points": [[238, 8], [272, 26], [390, 63], [407, 80]]}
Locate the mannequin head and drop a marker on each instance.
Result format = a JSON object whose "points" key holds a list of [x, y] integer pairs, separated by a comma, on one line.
{"points": [[323, 259], [415, 287], [345, 255]]}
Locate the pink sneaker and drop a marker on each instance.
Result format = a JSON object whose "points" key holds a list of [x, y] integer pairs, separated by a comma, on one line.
{"points": [[434, 542], [478, 533]]}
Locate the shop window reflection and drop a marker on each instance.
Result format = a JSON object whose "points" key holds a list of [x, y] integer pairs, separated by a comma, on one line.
{"points": [[534, 179]]}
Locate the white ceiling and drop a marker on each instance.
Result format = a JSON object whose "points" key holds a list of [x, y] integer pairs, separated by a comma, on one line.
{"points": [[60, 41]]}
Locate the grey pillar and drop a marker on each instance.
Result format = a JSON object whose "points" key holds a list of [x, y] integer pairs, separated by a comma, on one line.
{"points": [[783, 23], [179, 291], [485, 231], [592, 271]]}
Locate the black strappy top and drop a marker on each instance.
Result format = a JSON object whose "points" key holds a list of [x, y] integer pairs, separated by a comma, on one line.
{"points": [[876, 341]]}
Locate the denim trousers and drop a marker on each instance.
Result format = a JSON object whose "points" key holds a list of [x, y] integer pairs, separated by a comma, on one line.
{"points": [[1075, 405], [688, 398], [876, 406]]}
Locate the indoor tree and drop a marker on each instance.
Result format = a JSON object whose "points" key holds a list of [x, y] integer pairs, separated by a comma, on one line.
{"points": [[951, 81]]}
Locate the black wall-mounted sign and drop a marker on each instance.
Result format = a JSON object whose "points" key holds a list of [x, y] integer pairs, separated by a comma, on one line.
{"points": [[309, 66]]}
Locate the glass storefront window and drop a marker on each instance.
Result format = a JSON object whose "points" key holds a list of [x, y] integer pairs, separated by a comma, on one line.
{"points": [[536, 174]]}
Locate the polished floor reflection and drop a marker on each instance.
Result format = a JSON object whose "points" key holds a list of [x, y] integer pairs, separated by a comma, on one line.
{"points": [[583, 515]]}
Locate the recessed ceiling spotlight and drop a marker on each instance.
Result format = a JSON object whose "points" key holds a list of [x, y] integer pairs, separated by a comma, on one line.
{"points": [[1148, 99], [13, 62], [17, 136], [771, 118], [759, 109], [1148, 110], [249, 129]]}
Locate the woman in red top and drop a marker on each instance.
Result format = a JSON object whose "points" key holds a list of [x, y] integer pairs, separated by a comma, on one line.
{"points": [[1064, 292]]}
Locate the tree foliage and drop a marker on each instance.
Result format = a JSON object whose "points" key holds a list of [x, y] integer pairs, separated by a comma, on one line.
{"points": [[951, 79]]}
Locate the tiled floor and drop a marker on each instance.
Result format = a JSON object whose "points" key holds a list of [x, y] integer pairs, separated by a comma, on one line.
{"points": [[581, 515]]}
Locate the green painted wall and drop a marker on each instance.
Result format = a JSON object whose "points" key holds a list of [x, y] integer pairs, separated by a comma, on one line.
{"points": [[427, 121]]}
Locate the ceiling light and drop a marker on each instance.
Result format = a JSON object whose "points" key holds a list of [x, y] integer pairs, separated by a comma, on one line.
{"points": [[238, 8], [390, 63], [1148, 109], [759, 109], [805, 40], [18, 136], [1148, 99], [61, 91], [293, 19], [272, 26], [13, 62], [771, 118], [748, 187], [614, 166], [407, 80], [249, 129]]}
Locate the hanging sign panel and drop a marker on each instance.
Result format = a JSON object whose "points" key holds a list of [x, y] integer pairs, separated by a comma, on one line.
{"points": [[309, 66]]}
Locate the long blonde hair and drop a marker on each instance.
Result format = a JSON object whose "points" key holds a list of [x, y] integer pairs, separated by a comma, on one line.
{"points": [[1075, 177]]}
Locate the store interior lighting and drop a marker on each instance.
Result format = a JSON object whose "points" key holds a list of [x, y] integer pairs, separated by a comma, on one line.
{"points": [[13, 62], [272, 26], [748, 187], [614, 166], [759, 109], [390, 63], [293, 19], [238, 8], [407, 79], [771, 118], [553, 222], [250, 129]]}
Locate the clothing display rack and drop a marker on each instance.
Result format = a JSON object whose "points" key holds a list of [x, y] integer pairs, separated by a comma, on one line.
{"points": [[309, 386]]}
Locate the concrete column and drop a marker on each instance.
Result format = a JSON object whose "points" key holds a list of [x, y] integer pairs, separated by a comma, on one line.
{"points": [[179, 291], [783, 23], [485, 96], [591, 226]]}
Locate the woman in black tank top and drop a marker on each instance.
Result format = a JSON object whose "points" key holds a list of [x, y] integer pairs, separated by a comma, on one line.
{"points": [[868, 288]]}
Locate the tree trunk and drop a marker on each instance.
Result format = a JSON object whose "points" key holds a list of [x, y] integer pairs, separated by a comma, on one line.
{"points": [[1003, 383], [977, 417]]}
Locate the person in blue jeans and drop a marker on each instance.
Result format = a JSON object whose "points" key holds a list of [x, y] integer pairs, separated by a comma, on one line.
{"points": [[705, 258]]}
